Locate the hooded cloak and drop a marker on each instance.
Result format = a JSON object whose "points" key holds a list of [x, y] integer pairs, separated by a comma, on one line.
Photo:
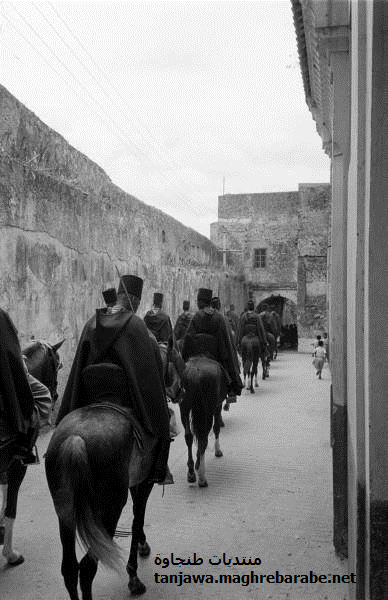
{"points": [[122, 338], [16, 400]]}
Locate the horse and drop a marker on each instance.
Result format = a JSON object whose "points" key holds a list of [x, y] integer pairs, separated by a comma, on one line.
{"points": [[43, 362], [88, 464], [205, 387], [268, 355], [250, 354], [173, 367], [276, 329]]}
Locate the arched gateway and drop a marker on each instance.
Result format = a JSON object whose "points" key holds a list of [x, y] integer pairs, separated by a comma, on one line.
{"points": [[286, 309]]}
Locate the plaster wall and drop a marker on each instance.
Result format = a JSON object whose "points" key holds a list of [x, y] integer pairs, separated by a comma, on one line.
{"points": [[64, 227]]}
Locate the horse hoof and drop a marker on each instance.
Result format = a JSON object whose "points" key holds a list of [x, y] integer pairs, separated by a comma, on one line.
{"points": [[144, 549], [191, 478], [252, 391], [18, 561], [256, 385], [136, 587], [222, 424], [218, 453], [203, 483]]}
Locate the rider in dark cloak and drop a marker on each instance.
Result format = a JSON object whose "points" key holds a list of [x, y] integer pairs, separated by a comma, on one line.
{"points": [[251, 324], [183, 321], [233, 319], [216, 304], [268, 320], [16, 399], [207, 334], [119, 336], [158, 321]]}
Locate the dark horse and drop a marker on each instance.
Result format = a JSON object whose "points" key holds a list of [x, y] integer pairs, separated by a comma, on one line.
{"points": [[87, 469], [89, 460], [251, 351], [205, 388], [43, 363], [271, 353]]}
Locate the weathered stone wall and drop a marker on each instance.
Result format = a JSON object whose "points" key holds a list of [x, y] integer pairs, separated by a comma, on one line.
{"points": [[262, 221], [314, 216], [64, 226], [293, 227]]}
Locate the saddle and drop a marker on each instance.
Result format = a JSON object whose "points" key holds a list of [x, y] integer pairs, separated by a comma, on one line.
{"points": [[106, 388]]}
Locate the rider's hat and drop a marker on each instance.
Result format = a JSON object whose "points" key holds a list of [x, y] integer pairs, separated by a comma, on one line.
{"points": [[250, 305], [186, 304], [205, 295], [110, 296], [158, 299], [133, 285]]}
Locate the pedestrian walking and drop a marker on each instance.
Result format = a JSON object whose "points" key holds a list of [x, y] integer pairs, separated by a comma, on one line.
{"points": [[319, 355], [326, 345]]}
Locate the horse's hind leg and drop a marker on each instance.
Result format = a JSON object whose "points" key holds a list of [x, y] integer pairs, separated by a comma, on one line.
{"points": [[4, 488], [70, 565], [140, 495], [87, 572], [191, 477], [200, 462], [16, 475], [251, 388], [216, 429]]}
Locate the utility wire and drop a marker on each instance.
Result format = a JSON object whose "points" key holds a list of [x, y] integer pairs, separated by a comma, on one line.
{"points": [[127, 139], [158, 145], [144, 126]]}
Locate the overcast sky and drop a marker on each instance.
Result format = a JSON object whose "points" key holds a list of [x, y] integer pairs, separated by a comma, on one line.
{"points": [[169, 97]]}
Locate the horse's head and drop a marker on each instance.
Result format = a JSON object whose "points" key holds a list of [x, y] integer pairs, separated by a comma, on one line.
{"points": [[43, 362]]}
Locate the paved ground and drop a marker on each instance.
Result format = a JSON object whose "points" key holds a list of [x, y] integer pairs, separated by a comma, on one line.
{"points": [[270, 496]]}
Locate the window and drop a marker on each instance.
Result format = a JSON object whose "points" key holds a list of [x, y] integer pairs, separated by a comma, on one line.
{"points": [[260, 258]]}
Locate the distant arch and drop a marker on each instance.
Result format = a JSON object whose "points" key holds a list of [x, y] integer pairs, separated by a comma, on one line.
{"points": [[287, 311]]}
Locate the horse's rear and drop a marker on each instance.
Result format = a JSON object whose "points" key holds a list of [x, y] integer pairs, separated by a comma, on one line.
{"points": [[87, 469], [250, 354], [205, 388]]}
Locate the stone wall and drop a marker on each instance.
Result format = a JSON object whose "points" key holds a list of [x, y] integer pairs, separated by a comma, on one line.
{"points": [[65, 226], [314, 218], [293, 227]]}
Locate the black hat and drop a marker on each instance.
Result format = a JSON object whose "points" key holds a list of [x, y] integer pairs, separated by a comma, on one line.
{"points": [[250, 305], [186, 304], [216, 303], [133, 285], [110, 296], [158, 299], [205, 295]]}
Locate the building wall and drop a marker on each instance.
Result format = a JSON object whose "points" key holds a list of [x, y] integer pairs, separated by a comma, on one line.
{"points": [[64, 227], [294, 228]]}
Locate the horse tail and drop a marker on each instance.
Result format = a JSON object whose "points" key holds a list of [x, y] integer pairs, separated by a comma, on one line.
{"points": [[202, 391], [78, 489]]}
